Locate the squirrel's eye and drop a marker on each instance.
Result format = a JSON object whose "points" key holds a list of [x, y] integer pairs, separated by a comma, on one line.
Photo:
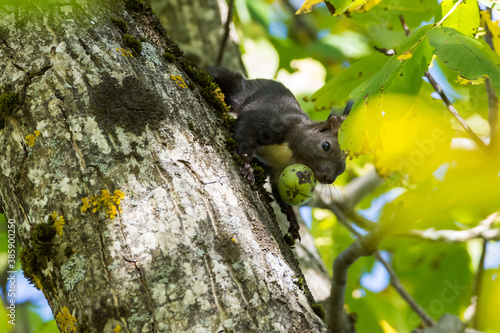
{"points": [[326, 146]]}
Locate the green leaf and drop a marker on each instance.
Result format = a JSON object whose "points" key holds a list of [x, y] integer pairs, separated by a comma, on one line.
{"points": [[465, 18], [48, 327], [446, 285], [259, 11], [386, 14], [336, 91], [401, 76], [471, 58], [487, 312], [341, 6]]}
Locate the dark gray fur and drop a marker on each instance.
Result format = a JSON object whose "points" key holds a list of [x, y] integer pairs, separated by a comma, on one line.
{"points": [[268, 114]]}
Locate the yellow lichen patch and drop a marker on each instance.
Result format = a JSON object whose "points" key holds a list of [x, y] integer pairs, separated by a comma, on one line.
{"points": [[30, 139], [125, 53], [106, 201], [179, 80], [58, 222], [67, 323], [117, 329]]}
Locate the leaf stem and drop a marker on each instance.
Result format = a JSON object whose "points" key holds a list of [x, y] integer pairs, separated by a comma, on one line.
{"points": [[448, 14], [455, 113]]}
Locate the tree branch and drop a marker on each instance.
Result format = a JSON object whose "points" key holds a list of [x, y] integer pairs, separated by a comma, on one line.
{"points": [[396, 283], [493, 112], [225, 36], [482, 230], [477, 284], [340, 321]]}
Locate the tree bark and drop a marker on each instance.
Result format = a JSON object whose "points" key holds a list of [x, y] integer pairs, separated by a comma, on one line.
{"points": [[190, 246]]}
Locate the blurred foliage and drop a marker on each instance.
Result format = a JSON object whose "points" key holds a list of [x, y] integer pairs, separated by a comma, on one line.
{"points": [[400, 126]]}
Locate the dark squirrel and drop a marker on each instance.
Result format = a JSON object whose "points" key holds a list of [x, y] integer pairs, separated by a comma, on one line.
{"points": [[272, 126]]}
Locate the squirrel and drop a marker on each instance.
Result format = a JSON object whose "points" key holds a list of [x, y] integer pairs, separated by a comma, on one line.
{"points": [[272, 126]]}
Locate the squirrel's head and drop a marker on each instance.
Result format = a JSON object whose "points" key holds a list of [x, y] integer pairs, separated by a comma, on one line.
{"points": [[319, 149]]}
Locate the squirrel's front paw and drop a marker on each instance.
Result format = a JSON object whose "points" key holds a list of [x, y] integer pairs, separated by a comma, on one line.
{"points": [[247, 171]]}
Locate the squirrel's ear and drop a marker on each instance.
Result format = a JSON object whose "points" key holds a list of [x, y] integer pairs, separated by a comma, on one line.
{"points": [[332, 124], [335, 122]]}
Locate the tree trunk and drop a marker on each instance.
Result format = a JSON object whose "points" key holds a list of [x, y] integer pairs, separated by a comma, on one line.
{"points": [[130, 209]]}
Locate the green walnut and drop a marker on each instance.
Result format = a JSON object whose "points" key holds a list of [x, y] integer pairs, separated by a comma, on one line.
{"points": [[296, 184]]}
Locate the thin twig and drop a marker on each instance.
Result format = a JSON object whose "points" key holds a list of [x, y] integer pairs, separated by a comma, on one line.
{"points": [[492, 97], [396, 283], [455, 113], [363, 246], [225, 36], [482, 230], [405, 26], [477, 285], [440, 91]]}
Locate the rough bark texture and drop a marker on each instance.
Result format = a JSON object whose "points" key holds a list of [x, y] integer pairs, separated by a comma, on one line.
{"points": [[194, 249]]}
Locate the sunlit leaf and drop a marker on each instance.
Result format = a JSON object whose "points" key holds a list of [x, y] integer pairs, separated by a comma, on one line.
{"points": [[487, 311], [467, 194], [336, 7], [340, 6], [386, 327], [369, 4], [465, 18], [471, 58], [406, 55], [403, 77], [307, 6], [361, 129], [386, 14], [493, 28], [336, 91], [414, 137], [462, 81]]}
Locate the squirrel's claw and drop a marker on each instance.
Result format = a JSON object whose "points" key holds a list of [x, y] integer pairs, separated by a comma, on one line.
{"points": [[247, 169]]}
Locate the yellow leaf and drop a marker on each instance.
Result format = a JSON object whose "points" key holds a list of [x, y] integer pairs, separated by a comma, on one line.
{"points": [[493, 28], [369, 4], [489, 296], [463, 81], [307, 6], [386, 327], [406, 55], [413, 137], [361, 129]]}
